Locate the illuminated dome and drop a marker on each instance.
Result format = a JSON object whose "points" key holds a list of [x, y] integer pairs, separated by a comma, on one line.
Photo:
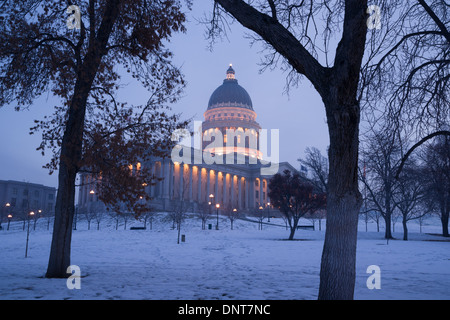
{"points": [[230, 94], [230, 107]]}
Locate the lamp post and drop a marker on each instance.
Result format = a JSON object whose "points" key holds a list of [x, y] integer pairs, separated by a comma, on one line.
{"points": [[260, 217], [217, 214], [31, 214], [8, 206], [268, 213], [9, 220], [211, 200]]}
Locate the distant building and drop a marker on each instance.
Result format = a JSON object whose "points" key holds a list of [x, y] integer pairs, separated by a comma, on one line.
{"points": [[241, 185], [19, 198]]}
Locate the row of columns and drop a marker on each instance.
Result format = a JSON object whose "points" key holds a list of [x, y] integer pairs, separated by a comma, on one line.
{"points": [[194, 183]]}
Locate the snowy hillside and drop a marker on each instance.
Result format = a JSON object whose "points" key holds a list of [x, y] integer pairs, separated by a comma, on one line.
{"points": [[244, 263]]}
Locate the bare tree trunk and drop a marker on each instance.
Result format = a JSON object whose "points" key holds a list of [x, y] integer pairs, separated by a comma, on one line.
{"points": [[337, 273], [338, 87], [444, 220], [387, 231], [405, 229], [291, 234]]}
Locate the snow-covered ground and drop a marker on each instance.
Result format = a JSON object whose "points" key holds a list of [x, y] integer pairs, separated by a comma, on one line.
{"points": [[240, 264]]}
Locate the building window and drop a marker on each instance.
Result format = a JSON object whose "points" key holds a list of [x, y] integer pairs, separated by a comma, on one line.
{"points": [[50, 196], [25, 192], [36, 194], [24, 203], [257, 194], [13, 202], [257, 183], [14, 191]]}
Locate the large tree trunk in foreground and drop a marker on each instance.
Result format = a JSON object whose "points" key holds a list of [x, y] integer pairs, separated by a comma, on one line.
{"points": [[65, 201], [337, 273], [444, 220], [71, 147], [338, 87]]}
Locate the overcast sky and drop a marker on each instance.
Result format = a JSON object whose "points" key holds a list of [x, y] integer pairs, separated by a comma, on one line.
{"points": [[300, 117]]}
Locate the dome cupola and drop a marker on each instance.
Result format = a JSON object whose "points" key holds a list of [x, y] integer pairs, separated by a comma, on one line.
{"points": [[230, 94], [230, 107]]}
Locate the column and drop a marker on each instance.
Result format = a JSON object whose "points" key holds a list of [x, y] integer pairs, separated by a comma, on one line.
{"points": [[199, 184], [225, 191], [239, 203], [170, 178], [166, 176], [233, 205], [190, 168], [251, 193], [181, 182], [208, 183], [216, 187], [261, 190]]}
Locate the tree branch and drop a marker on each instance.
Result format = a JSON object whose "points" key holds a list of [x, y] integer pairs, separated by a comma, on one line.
{"points": [[283, 41], [436, 19], [423, 140]]}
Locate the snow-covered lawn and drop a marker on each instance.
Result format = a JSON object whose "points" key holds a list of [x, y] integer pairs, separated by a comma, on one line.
{"points": [[240, 264]]}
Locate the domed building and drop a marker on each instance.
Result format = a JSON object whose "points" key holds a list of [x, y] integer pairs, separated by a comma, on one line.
{"points": [[230, 110], [229, 131]]}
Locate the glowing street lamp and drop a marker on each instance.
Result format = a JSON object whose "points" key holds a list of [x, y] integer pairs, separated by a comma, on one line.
{"points": [[217, 214], [210, 202], [268, 211], [7, 205], [260, 217], [9, 220]]}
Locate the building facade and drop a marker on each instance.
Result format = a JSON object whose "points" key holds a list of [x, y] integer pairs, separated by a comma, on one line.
{"points": [[229, 132], [18, 198]]}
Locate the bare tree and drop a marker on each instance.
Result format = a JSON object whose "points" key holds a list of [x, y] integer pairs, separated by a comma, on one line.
{"points": [[115, 216], [204, 213], [148, 216], [406, 79], [410, 196], [290, 32], [49, 214], [258, 213], [381, 157], [437, 185], [180, 206], [232, 214], [89, 214], [318, 165]]}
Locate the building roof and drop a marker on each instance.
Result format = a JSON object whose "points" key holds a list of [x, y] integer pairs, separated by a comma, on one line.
{"points": [[230, 93]]}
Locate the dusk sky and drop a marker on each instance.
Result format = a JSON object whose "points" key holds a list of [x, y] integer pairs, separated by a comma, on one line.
{"points": [[300, 117]]}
